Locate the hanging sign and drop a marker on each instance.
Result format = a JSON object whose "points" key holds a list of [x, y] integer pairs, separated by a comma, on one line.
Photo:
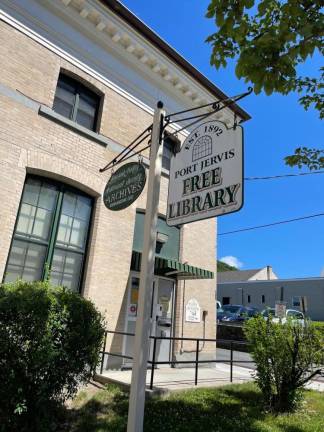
{"points": [[193, 311], [206, 176], [124, 186]]}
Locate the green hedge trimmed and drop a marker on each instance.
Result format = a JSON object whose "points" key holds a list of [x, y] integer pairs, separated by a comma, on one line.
{"points": [[50, 340]]}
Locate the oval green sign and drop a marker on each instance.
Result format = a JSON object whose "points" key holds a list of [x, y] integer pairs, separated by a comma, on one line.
{"points": [[124, 186]]}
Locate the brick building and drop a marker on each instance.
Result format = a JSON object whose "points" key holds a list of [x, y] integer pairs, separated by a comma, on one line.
{"points": [[79, 81]]}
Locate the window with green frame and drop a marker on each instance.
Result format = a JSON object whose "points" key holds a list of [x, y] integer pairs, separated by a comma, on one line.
{"points": [[50, 235]]}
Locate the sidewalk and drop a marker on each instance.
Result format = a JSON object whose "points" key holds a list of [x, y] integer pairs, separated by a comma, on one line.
{"points": [[172, 379]]}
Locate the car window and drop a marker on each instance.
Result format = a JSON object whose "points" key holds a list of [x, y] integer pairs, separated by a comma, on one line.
{"points": [[295, 314], [268, 312], [252, 312]]}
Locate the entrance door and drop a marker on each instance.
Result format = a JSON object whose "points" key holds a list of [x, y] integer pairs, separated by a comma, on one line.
{"points": [[164, 299], [161, 316], [132, 314]]}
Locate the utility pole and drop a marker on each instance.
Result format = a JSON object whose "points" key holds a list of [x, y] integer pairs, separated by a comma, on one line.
{"points": [[143, 321]]}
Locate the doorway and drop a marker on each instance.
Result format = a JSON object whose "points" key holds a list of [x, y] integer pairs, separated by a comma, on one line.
{"points": [[163, 320], [162, 312]]}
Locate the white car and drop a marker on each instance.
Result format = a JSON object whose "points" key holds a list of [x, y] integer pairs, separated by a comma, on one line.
{"points": [[290, 313]]}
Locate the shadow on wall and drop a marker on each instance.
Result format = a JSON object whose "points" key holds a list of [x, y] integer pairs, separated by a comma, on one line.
{"points": [[116, 346]]}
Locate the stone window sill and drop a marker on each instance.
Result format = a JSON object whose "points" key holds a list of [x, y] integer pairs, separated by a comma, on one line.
{"points": [[58, 118], [100, 139]]}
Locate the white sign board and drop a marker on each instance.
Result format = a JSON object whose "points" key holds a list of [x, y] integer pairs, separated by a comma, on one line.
{"points": [[206, 176], [193, 311], [280, 310]]}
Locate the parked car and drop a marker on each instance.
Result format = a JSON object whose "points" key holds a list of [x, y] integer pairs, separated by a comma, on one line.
{"points": [[290, 313], [236, 313]]}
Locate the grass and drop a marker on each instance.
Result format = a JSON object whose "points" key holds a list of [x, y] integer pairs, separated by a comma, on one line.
{"points": [[234, 408]]}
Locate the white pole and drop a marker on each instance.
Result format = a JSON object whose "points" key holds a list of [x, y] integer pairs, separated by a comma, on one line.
{"points": [[143, 321]]}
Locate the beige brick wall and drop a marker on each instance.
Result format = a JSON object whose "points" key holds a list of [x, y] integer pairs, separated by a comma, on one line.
{"points": [[30, 143]]}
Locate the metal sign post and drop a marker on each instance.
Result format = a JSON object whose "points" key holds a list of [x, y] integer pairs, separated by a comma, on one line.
{"points": [[143, 321], [200, 188]]}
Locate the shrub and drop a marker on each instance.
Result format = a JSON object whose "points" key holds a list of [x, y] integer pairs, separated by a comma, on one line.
{"points": [[287, 356], [50, 340]]}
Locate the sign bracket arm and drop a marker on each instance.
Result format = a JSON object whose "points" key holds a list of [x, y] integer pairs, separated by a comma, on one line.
{"points": [[216, 108], [122, 156]]}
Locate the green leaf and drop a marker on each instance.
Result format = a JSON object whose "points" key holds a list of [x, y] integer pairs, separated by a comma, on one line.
{"points": [[249, 4], [272, 38]]}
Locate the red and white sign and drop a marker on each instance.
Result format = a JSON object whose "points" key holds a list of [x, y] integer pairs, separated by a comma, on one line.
{"points": [[132, 311]]}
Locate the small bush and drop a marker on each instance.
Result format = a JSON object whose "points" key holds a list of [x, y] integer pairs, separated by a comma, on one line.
{"points": [[287, 356], [319, 325], [50, 340]]}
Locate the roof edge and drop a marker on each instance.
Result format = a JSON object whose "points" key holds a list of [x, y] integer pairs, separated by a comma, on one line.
{"points": [[274, 280], [124, 13]]}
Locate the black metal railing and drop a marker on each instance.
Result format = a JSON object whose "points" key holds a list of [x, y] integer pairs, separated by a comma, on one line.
{"points": [[196, 361]]}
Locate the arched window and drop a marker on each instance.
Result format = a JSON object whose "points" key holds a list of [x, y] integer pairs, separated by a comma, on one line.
{"points": [[50, 235], [202, 148]]}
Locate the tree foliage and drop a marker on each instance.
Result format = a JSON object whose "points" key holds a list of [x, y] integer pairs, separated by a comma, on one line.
{"points": [[312, 158], [287, 356], [49, 344], [270, 39], [222, 267]]}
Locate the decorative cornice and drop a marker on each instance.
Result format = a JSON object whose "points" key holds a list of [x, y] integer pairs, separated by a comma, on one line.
{"points": [[136, 70], [128, 42]]}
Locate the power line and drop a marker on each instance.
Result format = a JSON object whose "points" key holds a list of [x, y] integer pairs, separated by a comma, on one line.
{"points": [[283, 175], [271, 224]]}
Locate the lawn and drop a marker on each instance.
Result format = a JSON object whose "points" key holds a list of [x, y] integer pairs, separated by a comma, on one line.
{"points": [[234, 408]]}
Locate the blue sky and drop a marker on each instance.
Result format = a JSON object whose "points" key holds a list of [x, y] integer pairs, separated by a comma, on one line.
{"points": [[279, 125]]}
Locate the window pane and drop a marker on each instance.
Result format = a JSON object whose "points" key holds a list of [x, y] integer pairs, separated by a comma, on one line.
{"points": [[42, 224], [85, 120], [69, 204], [74, 221], [78, 234], [36, 210], [31, 191], [66, 269], [64, 230], [12, 274], [83, 208], [26, 261], [34, 222], [48, 196], [26, 219], [57, 267], [167, 154], [34, 262], [88, 103], [87, 110], [72, 232], [64, 98], [62, 108], [17, 253]]}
